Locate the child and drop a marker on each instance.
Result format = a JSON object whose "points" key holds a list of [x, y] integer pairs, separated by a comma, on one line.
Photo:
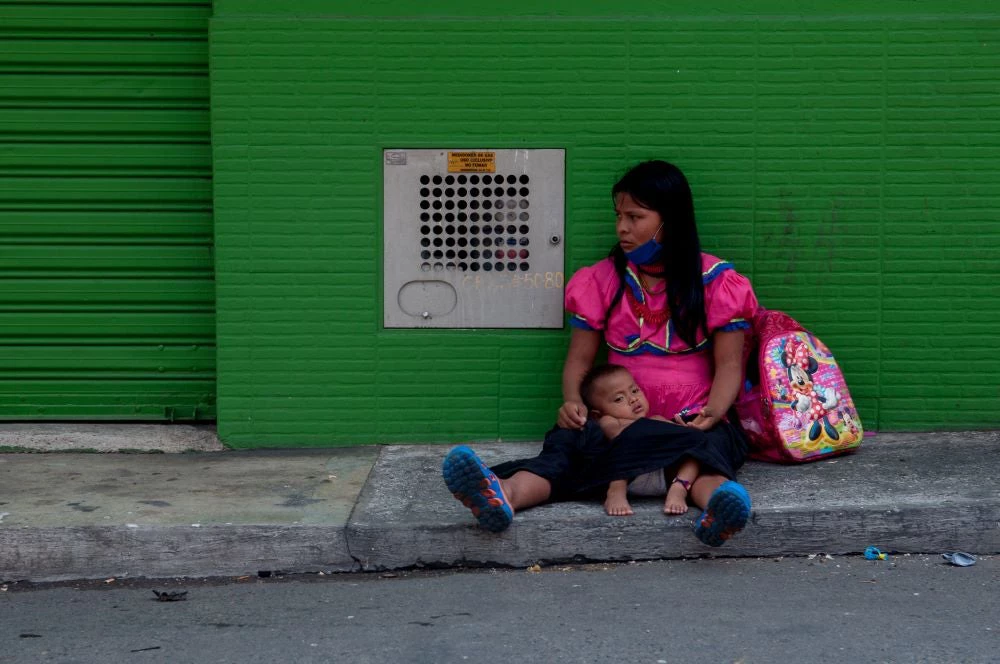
{"points": [[614, 399]]}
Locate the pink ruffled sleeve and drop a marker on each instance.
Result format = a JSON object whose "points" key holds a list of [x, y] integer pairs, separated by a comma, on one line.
{"points": [[583, 300], [730, 303]]}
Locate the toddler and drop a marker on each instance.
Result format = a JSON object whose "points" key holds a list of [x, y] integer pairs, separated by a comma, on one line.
{"points": [[615, 401]]}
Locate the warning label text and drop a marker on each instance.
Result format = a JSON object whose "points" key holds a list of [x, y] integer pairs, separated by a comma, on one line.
{"points": [[472, 162]]}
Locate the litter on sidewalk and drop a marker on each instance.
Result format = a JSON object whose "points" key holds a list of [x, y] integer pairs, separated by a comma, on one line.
{"points": [[873, 553], [960, 558]]}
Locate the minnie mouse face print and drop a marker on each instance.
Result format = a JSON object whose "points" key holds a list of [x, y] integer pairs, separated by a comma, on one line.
{"points": [[810, 400]]}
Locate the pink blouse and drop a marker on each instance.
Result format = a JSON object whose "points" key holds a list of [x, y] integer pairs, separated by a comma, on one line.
{"points": [[675, 376]]}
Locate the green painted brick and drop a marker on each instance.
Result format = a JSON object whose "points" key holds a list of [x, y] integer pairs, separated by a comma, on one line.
{"points": [[844, 159]]}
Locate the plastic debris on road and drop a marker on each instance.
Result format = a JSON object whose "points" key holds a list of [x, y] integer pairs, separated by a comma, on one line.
{"points": [[873, 553], [960, 558]]}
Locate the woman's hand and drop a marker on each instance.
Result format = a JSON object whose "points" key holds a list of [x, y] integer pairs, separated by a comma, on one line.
{"points": [[727, 357], [572, 415], [704, 420], [583, 345]]}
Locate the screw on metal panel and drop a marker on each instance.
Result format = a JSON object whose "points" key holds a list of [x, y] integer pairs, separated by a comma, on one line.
{"points": [[554, 240]]}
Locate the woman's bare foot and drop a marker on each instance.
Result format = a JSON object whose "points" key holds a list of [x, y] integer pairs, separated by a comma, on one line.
{"points": [[676, 502], [617, 506]]}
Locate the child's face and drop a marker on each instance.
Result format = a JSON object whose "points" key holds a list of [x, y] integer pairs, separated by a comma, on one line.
{"points": [[618, 395]]}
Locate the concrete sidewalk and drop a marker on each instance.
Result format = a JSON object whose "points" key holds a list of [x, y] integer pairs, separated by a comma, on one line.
{"points": [[72, 515]]}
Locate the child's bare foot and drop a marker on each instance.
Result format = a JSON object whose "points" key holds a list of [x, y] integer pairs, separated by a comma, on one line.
{"points": [[617, 506], [676, 502]]}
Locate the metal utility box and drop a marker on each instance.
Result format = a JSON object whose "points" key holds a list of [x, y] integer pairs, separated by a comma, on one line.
{"points": [[473, 238]]}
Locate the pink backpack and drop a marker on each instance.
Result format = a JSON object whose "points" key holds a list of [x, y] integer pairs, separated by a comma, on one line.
{"points": [[795, 406]]}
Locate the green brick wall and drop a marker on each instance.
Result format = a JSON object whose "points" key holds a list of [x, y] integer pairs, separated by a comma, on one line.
{"points": [[846, 162]]}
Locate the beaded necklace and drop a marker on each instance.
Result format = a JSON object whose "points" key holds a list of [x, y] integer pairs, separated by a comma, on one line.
{"points": [[644, 312]]}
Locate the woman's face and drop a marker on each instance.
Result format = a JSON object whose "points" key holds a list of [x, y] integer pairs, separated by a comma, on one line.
{"points": [[634, 224]]}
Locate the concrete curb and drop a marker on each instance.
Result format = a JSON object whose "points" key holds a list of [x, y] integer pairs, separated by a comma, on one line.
{"points": [[902, 493], [72, 516], [98, 552]]}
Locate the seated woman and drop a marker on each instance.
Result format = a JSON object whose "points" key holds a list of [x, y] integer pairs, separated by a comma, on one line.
{"points": [[675, 317]]}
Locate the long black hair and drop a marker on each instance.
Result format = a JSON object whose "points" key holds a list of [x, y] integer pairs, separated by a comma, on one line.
{"points": [[661, 187]]}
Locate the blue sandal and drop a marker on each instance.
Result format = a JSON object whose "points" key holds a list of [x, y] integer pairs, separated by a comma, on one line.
{"points": [[475, 485], [727, 512]]}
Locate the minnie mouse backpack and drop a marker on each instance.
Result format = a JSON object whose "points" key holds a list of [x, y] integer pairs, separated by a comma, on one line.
{"points": [[795, 406]]}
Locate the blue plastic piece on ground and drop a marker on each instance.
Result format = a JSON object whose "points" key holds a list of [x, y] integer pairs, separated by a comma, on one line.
{"points": [[872, 553]]}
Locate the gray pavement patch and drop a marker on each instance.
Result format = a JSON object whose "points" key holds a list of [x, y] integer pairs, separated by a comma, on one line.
{"points": [[99, 437], [89, 516]]}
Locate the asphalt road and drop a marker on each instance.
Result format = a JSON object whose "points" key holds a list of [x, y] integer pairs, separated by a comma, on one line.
{"points": [[844, 609]]}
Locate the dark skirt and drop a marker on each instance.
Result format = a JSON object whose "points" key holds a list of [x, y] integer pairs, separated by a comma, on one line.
{"points": [[580, 463]]}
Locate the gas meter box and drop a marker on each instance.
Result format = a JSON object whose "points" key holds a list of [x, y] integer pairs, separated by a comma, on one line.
{"points": [[473, 238]]}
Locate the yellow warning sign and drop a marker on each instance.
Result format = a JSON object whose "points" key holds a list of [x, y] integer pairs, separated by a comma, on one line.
{"points": [[472, 162]]}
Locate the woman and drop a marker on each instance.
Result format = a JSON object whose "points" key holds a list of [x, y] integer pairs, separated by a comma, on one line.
{"points": [[676, 319]]}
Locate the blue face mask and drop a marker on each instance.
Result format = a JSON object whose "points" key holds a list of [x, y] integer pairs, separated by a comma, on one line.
{"points": [[648, 252]]}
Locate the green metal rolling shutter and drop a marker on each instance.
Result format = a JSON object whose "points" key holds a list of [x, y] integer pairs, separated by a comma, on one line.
{"points": [[107, 306]]}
